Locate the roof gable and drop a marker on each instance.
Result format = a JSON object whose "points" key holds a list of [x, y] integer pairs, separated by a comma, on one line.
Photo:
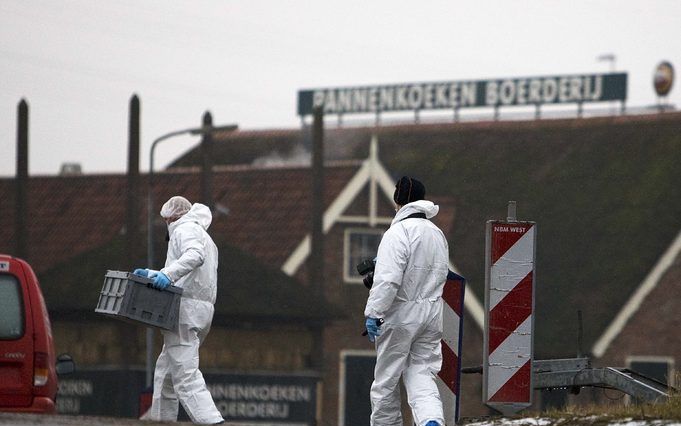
{"points": [[649, 284], [373, 177]]}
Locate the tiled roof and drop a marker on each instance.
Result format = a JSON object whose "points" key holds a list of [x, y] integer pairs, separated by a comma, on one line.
{"points": [[72, 288], [247, 146], [76, 229], [74, 214], [268, 208], [66, 216]]}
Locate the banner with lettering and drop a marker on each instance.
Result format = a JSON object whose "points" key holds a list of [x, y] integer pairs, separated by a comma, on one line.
{"points": [[581, 88]]}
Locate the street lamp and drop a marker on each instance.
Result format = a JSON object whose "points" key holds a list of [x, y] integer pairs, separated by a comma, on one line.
{"points": [[608, 57], [204, 130]]}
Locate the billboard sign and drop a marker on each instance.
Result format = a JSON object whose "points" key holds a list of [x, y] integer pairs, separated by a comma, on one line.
{"points": [[265, 400], [243, 399], [101, 392], [464, 94]]}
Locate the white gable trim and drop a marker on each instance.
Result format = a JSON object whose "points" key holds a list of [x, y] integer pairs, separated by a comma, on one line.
{"points": [[331, 215], [371, 170], [635, 301]]}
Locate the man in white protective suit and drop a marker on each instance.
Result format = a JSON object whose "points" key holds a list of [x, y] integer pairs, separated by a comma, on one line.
{"points": [[404, 311], [191, 264]]}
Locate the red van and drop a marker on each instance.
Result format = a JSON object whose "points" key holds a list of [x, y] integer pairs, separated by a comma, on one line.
{"points": [[28, 368]]}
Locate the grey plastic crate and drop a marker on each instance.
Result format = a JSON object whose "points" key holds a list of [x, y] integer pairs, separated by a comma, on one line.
{"points": [[129, 297]]}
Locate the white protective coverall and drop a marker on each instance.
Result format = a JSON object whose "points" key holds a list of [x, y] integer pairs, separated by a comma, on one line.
{"points": [[411, 270], [191, 263]]}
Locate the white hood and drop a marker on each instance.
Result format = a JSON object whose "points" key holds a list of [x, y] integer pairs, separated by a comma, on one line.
{"points": [[420, 206], [199, 213]]}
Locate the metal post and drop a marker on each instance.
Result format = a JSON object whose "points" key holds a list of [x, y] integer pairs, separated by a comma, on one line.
{"points": [[22, 179], [511, 216], [207, 162], [317, 282], [133, 204]]}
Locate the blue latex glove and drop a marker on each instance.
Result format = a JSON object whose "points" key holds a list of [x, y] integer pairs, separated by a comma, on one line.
{"points": [[161, 281], [373, 326], [141, 272]]}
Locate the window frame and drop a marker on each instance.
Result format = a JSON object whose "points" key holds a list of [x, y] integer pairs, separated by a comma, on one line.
{"points": [[348, 232]]}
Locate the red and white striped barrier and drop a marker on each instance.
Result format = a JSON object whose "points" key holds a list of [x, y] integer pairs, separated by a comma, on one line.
{"points": [[509, 319], [449, 376]]}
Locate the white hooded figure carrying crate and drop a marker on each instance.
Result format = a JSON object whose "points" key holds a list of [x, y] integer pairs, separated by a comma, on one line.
{"points": [[131, 298]]}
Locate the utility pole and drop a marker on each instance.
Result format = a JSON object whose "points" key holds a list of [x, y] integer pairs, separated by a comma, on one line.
{"points": [[316, 276]]}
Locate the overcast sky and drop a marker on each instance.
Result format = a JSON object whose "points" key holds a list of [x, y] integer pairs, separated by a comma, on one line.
{"points": [[78, 62]]}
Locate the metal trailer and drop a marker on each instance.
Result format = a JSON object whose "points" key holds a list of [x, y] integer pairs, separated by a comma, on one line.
{"points": [[577, 373]]}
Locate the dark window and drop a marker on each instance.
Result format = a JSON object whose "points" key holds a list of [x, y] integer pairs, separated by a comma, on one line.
{"points": [[11, 308], [660, 369], [360, 245]]}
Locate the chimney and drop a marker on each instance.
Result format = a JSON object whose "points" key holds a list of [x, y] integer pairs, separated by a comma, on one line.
{"points": [[70, 169], [21, 211]]}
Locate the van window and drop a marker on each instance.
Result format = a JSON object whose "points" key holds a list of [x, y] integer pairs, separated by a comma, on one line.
{"points": [[11, 308]]}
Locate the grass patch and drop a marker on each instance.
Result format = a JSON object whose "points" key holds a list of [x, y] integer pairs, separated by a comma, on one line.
{"points": [[669, 410], [606, 414]]}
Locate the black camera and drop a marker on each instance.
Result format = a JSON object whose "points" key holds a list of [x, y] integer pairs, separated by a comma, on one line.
{"points": [[366, 269]]}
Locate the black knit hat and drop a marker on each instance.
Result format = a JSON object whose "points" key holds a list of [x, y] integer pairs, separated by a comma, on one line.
{"points": [[408, 190]]}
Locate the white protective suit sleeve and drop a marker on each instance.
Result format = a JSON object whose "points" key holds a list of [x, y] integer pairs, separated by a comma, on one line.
{"points": [[391, 262], [188, 240]]}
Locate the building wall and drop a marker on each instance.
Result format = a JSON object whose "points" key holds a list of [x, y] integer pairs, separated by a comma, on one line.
{"points": [[106, 342], [344, 333], [111, 342]]}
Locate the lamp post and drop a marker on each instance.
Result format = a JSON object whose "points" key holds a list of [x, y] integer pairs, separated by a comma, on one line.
{"points": [[611, 58], [150, 218], [608, 57]]}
